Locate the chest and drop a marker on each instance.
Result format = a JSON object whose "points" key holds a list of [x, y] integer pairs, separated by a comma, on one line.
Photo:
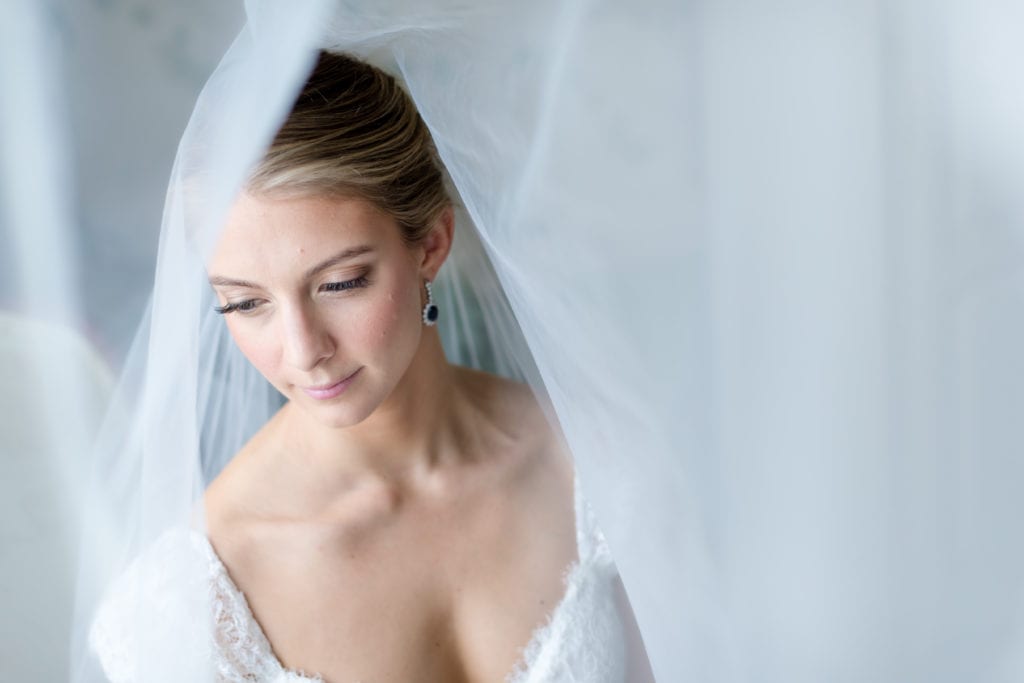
{"points": [[421, 598]]}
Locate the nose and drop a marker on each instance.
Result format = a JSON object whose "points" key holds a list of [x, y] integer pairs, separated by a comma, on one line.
{"points": [[306, 340]]}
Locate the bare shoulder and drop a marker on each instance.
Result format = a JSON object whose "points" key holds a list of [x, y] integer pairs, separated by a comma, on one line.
{"points": [[235, 492], [535, 457]]}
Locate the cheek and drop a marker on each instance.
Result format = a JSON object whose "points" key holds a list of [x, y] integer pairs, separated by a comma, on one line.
{"points": [[388, 322], [262, 353]]}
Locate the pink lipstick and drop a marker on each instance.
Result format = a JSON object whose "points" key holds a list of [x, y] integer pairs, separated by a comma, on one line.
{"points": [[324, 392]]}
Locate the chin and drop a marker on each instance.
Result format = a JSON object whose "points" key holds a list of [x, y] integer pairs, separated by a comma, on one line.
{"points": [[338, 414], [339, 421]]}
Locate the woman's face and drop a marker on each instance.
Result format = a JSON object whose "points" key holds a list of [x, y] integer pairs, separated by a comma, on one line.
{"points": [[323, 297]]}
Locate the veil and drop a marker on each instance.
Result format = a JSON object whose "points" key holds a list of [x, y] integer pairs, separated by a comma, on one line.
{"points": [[762, 265], [517, 289]]}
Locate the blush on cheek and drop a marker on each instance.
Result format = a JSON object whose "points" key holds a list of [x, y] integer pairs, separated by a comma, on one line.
{"points": [[389, 329], [260, 354], [382, 323]]}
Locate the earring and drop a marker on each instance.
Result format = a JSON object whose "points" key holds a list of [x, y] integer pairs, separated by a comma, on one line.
{"points": [[430, 310]]}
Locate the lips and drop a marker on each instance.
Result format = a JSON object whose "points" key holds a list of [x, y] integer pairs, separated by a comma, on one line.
{"points": [[328, 391]]}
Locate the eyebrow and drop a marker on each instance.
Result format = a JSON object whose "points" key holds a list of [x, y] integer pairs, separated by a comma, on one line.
{"points": [[351, 252]]}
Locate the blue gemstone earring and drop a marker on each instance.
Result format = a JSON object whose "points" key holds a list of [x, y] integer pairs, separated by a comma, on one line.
{"points": [[430, 310]]}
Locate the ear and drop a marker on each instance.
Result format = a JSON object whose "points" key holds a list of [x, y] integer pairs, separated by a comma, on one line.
{"points": [[435, 246]]}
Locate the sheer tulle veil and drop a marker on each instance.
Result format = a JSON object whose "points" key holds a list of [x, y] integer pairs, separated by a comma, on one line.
{"points": [[761, 264], [530, 280]]}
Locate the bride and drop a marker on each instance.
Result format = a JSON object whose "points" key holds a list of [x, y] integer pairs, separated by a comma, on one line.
{"points": [[400, 518]]}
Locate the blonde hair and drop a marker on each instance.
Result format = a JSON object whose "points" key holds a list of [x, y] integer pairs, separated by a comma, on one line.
{"points": [[353, 131]]}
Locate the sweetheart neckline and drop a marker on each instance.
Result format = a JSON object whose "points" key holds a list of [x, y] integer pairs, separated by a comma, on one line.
{"points": [[520, 669]]}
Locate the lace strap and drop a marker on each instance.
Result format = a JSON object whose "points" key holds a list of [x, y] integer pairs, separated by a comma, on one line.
{"points": [[149, 615], [589, 539]]}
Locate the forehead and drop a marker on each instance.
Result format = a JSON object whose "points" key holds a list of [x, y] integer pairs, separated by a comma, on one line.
{"points": [[275, 233]]}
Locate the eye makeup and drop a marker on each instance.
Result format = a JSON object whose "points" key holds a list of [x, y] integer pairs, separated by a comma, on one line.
{"points": [[241, 306], [354, 283], [250, 305]]}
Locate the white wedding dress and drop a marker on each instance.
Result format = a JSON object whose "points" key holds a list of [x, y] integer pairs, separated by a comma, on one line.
{"points": [[583, 638]]}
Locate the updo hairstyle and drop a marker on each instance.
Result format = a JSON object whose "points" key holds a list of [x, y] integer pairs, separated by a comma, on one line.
{"points": [[353, 131]]}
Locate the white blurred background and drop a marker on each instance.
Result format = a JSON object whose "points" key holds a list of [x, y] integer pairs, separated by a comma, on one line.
{"points": [[94, 95]]}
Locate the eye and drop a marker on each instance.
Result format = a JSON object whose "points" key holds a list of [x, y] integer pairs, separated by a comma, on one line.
{"points": [[355, 283], [246, 306]]}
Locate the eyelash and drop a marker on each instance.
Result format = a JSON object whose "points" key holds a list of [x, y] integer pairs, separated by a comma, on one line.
{"points": [[249, 305], [360, 281]]}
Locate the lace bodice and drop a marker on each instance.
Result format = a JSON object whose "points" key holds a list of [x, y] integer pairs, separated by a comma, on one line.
{"points": [[581, 640]]}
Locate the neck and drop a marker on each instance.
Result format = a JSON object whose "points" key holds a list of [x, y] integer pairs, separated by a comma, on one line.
{"points": [[406, 438]]}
